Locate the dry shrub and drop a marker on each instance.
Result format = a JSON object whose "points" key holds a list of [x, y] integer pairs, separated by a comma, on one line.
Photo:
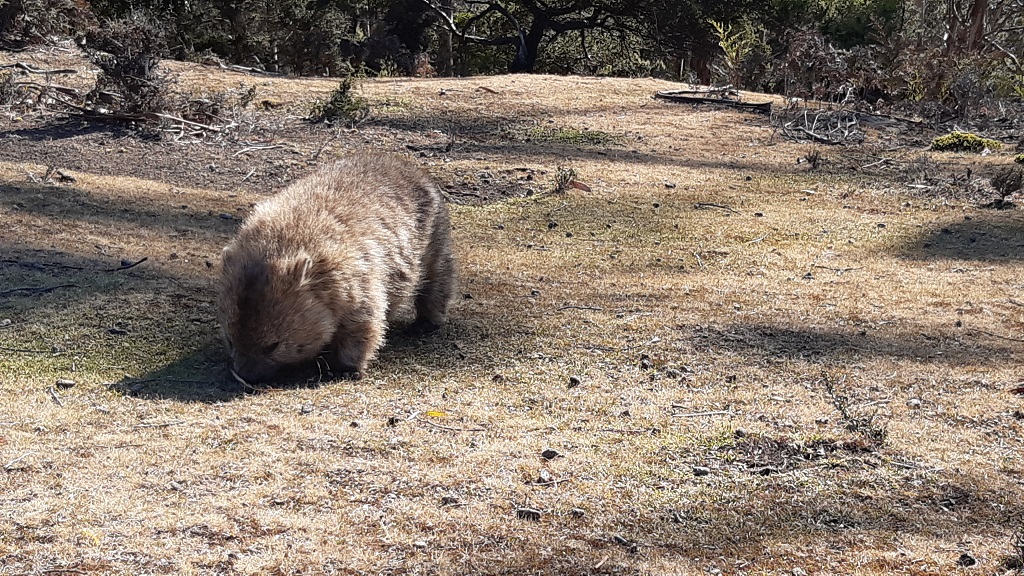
{"points": [[128, 52]]}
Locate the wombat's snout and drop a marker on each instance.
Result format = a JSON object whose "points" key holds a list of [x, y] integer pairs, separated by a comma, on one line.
{"points": [[253, 370]]}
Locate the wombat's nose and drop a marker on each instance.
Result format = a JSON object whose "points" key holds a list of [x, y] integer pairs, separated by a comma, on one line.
{"points": [[254, 370]]}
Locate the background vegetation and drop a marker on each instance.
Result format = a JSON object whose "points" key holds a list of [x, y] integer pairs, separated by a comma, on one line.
{"points": [[949, 53]]}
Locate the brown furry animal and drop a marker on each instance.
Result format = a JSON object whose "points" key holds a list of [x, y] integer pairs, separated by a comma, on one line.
{"points": [[329, 261]]}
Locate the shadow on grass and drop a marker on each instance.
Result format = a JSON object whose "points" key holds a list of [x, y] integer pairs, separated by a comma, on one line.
{"points": [[68, 202], [812, 344], [988, 237], [204, 375]]}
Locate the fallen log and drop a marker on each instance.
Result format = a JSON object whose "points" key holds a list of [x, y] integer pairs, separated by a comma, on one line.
{"points": [[675, 96]]}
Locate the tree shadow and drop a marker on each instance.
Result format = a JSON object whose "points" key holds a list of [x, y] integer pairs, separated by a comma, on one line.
{"points": [[987, 237], [69, 202], [815, 345]]}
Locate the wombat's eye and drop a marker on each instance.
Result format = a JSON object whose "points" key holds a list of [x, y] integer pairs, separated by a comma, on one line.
{"points": [[270, 349]]}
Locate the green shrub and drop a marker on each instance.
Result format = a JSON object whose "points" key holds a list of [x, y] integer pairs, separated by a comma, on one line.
{"points": [[964, 142], [343, 106]]}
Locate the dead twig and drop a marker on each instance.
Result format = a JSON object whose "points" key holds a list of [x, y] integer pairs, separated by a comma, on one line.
{"points": [[553, 482], [27, 351], [161, 424], [994, 335], [55, 397], [699, 414], [10, 465], [706, 205], [127, 266], [450, 428], [40, 265], [838, 271], [256, 148], [595, 308], [40, 290]]}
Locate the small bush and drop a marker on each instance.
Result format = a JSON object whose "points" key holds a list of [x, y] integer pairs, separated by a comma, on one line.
{"points": [[964, 142], [1009, 180], [128, 52], [343, 105]]}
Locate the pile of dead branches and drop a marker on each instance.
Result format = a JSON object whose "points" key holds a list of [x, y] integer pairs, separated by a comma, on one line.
{"points": [[833, 127]]}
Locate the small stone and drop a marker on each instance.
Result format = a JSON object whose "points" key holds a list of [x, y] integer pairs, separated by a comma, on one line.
{"points": [[670, 185], [530, 514], [175, 486], [419, 544], [914, 403], [5, 322], [656, 205], [467, 296], [748, 178], [544, 477], [64, 384], [126, 262], [881, 225], [552, 225], [574, 381], [306, 409], [449, 501], [759, 214], [117, 331], [701, 471], [498, 378], [568, 234], [550, 454], [958, 324], [535, 292], [673, 373], [577, 513], [645, 362], [966, 560], [226, 216]]}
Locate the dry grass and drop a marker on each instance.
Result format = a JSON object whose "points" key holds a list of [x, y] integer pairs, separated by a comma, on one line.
{"points": [[698, 437]]}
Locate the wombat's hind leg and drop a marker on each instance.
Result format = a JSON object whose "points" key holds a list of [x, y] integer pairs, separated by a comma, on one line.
{"points": [[436, 288]]}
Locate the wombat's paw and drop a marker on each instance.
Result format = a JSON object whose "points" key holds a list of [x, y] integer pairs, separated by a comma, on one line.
{"points": [[421, 327], [348, 373]]}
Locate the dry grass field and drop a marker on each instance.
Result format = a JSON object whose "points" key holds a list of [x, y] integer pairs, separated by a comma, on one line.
{"points": [[736, 364]]}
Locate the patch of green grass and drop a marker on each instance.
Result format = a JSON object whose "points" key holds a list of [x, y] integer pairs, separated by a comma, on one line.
{"points": [[565, 135], [964, 142], [1019, 158]]}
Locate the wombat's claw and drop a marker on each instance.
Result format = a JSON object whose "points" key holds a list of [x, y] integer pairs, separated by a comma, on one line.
{"points": [[349, 374]]}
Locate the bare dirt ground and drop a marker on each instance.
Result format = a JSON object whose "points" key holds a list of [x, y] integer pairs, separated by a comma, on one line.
{"points": [[712, 360]]}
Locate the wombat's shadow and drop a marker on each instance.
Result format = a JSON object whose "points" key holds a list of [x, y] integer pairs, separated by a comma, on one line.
{"points": [[205, 376]]}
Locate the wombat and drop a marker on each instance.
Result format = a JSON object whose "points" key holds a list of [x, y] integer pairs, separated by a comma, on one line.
{"points": [[329, 261]]}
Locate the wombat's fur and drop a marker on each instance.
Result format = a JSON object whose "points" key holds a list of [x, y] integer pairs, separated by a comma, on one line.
{"points": [[329, 261]]}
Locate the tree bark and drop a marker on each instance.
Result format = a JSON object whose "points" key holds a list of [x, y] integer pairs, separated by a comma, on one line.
{"points": [[445, 58]]}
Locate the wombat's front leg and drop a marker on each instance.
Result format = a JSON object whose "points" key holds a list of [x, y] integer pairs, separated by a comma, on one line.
{"points": [[355, 343]]}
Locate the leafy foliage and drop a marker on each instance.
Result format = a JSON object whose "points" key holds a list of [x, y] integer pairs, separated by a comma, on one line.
{"points": [[963, 142]]}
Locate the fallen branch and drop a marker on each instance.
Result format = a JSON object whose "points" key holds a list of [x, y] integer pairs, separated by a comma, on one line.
{"points": [[41, 290], [45, 87], [762, 107], [33, 70], [41, 265], [162, 424], [595, 308]]}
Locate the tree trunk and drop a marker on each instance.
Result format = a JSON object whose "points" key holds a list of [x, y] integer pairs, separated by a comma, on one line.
{"points": [[976, 32], [445, 59], [8, 12], [529, 47]]}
